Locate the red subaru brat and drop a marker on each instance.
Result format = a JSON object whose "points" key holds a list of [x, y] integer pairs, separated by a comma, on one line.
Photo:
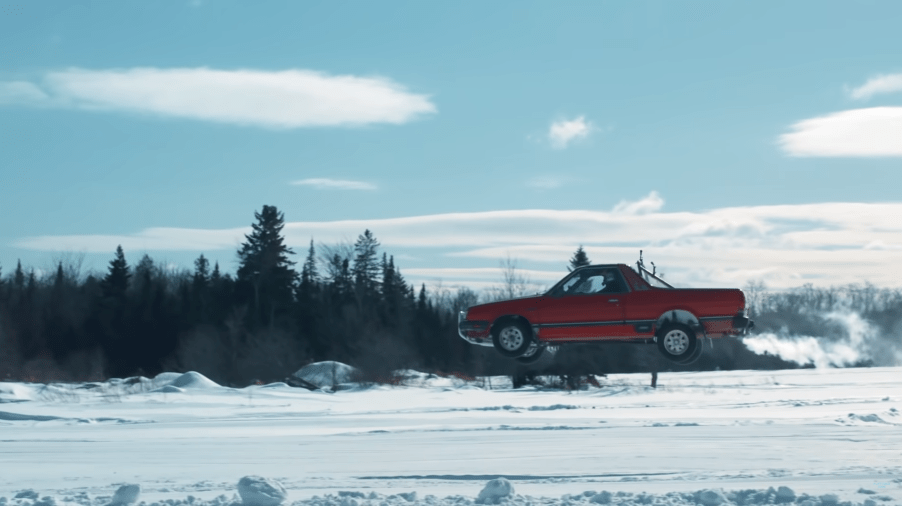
{"points": [[608, 303]]}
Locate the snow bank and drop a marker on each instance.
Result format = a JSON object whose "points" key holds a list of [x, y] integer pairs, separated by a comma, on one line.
{"points": [[326, 374], [193, 380], [15, 392], [126, 494], [259, 491], [165, 378], [495, 491]]}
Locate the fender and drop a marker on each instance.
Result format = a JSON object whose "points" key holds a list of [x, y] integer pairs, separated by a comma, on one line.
{"points": [[679, 316]]}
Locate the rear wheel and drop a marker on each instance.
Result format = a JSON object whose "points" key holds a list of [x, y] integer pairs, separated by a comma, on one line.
{"points": [[677, 342], [512, 339], [695, 355]]}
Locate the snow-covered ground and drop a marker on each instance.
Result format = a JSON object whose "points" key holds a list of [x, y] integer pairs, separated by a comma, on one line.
{"points": [[183, 438]]}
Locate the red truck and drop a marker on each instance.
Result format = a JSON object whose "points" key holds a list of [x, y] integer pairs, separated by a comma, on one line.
{"points": [[608, 303]]}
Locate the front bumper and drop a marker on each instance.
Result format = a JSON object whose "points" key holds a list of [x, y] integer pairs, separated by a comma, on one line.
{"points": [[475, 331]]}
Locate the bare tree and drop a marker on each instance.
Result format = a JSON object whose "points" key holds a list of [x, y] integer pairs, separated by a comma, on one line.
{"points": [[754, 295], [513, 283]]}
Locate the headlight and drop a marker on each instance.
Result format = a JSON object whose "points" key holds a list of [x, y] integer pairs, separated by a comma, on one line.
{"points": [[463, 314]]}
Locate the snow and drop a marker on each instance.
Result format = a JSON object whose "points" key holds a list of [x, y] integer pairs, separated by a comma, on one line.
{"points": [[193, 380], [808, 437], [126, 494], [260, 491], [326, 374]]}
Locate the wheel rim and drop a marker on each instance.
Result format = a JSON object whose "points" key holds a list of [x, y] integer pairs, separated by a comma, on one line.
{"points": [[676, 342], [511, 338]]}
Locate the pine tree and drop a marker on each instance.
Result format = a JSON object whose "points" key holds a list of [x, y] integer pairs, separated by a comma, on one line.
{"points": [[579, 259], [390, 294], [309, 274], [216, 276], [309, 306], [201, 271], [421, 300], [340, 279], [115, 283], [60, 277], [388, 276], [265, 272], [143, 275], [32, 284], [19, 277], [366, 269]]}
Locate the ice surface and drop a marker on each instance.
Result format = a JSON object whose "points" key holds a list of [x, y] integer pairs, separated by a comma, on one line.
{"points": [[824, 434]]}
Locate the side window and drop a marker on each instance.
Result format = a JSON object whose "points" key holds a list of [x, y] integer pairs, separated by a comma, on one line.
{"points": [[594, 284], [613, 282], [596, 281], [586, 282], [567, 288]]}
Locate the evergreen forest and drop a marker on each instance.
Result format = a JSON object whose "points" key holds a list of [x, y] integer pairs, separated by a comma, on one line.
{"points": [[350, 304]]}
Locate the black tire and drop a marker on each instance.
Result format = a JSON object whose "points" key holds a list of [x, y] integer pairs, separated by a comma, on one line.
{"points": [[531, 357], [677, 342], [695, 355], [511, 338]]}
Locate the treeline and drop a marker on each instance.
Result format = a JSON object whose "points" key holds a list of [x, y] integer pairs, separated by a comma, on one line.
{"points": [[263, 323], [347, 303]]}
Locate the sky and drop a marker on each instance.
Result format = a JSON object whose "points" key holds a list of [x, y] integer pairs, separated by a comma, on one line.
{"points": [[731, 142]]}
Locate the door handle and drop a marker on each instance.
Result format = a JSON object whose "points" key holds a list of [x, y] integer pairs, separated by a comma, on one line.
{"points": [[613, 300]]}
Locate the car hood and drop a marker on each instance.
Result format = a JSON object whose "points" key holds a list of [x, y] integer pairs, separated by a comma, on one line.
{"points": [[500, 307]]}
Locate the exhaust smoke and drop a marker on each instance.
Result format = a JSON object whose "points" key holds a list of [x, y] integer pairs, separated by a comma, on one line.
{"points": [[847, 340]]}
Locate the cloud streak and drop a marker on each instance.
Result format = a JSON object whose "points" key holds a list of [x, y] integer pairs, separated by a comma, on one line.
{"points": [[871, 132], [270, 99], [335, 184], [784, 245], [562, 133], [878, 85]]}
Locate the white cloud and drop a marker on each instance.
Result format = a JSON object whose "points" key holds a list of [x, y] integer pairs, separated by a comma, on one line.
{"points": [[652, 203], [336, 184], [272, 99], [151, 239], [877, 85], [563, 132], [783, 245], [871, 132]]}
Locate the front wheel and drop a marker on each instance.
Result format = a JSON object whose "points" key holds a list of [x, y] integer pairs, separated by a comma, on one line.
{"points": [[677, 343], [512, 339]]}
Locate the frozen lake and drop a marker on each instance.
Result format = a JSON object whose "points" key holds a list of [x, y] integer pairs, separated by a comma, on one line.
{"points": [[818, 431]]}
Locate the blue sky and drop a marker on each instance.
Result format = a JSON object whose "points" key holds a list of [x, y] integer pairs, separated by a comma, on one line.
{"points": [[730, 141]]}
